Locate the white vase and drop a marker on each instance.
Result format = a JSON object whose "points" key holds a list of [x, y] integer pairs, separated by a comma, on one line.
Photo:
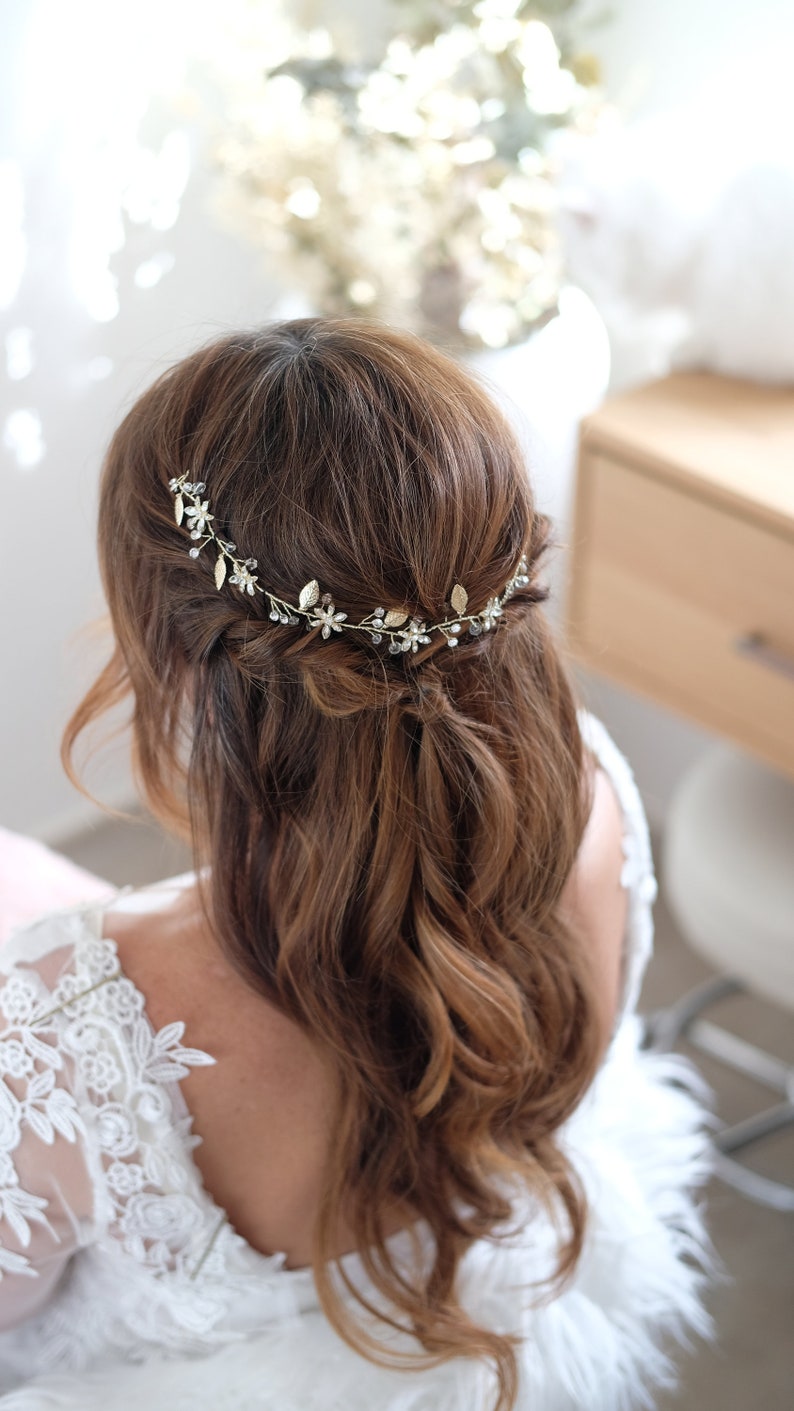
{"points": [[545, 386]]}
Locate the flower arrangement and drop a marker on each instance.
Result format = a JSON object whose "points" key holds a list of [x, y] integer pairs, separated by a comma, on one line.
{"points": [[417, 185]]}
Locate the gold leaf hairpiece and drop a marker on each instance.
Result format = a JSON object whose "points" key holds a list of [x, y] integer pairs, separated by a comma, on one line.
{"points": [[317, 609], [459, 598], [309, 595]]}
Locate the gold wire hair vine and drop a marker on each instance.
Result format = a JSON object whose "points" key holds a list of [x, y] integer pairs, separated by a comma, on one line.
{"points": [[402, 632]]}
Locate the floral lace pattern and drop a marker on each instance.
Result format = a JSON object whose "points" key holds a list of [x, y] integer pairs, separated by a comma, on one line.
{"points": [[93, 1021], [30, 1098], [160, 1266], [127, 1068]]}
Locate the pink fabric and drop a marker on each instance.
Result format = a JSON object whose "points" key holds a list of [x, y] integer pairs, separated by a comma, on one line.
{"points": [[35, 880]]}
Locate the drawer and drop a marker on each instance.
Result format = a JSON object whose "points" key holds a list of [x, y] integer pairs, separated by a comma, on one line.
{"points": [[665, 588]]}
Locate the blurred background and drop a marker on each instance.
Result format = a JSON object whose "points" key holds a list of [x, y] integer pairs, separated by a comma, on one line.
{"points": [[576, 198], [163, 177]]}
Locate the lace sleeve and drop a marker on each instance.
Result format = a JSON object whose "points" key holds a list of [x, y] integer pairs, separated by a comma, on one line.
{"points": [[46, 1199], [638, 872]]}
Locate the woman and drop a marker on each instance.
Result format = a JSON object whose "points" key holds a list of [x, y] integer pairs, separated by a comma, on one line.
{"points": [[429, 1165]]}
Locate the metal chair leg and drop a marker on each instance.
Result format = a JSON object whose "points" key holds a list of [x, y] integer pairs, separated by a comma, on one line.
{"points": [[681, 1020], [663, 1027]]}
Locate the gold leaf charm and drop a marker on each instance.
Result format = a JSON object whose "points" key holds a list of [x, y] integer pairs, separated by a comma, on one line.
{"points": [[459, 598], [220, 571], [309, 595], [395, 618], [179, 508]]}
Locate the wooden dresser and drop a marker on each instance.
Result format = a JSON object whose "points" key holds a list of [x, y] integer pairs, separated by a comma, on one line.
{"points": [[682, 554]]}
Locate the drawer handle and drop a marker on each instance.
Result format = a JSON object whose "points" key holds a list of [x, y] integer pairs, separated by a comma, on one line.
{"points": [[756, 646]]}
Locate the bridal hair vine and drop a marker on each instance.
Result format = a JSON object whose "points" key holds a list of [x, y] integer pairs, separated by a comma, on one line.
{"points": [[317, 609]]}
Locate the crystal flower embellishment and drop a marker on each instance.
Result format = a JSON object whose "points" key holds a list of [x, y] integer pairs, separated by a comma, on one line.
{"points": [[327, 619], [317, 609]]}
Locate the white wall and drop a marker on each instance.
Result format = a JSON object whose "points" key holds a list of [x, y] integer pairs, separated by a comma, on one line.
{"points": [[657, 56], [85, 368]]}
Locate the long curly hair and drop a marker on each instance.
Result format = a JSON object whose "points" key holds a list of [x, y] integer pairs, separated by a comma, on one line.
{"points": [[381, 841]]}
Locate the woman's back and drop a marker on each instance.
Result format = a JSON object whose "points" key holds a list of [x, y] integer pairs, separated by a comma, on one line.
{"points": [[409, 933], [265, 1112], [162, 1270]]}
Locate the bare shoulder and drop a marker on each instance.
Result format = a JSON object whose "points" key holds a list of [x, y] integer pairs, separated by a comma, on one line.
{"points": [[265, 1109], [593, 902], [172, 958]]}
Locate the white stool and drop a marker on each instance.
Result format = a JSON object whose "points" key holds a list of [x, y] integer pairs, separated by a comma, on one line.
{"points": [[728, 869]]}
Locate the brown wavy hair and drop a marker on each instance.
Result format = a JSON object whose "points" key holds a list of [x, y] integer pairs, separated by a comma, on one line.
{"points": [[387, 838]]}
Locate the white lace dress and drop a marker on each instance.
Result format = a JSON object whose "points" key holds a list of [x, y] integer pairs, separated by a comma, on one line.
{"points": [[123, 1284]]}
